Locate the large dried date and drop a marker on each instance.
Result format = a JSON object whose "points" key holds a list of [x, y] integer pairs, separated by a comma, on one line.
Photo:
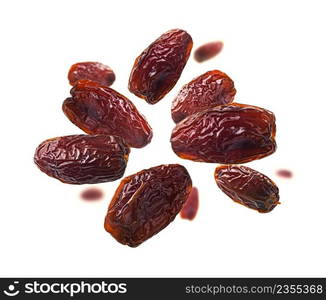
{"points": [[146, 202], [158, 68], [229, 134], [79, 159], [97, 109], [248, 187], [94, 71], [207, 90]]}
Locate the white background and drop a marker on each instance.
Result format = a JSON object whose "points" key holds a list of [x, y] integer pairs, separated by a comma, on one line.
{"points": [[274, 51]]}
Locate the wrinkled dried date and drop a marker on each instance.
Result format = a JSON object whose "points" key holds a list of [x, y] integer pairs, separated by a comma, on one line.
{"points": [[248, 187], [208, 51], [97, 109], [79, 159], [190, 208], [94, 71], [146, 202], [158, 68], [229, 134], [208, 90]]}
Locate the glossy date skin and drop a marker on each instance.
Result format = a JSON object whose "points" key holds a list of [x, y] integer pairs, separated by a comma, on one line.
{"points": [[207, 90], [227, 134], [93, 71], [146, 202], [208, 51], [80, 159], [158, 68], [248, 187], [97, 109]]}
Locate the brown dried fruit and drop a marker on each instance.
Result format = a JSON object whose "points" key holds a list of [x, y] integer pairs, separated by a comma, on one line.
{"points": [[208, 51], [228, 134], [158, 68], [93, 71], [190, 208], [97, 109], [146, 202], [248, 187], [79, 159], [284, 173], [91, 194], [208, 90]]}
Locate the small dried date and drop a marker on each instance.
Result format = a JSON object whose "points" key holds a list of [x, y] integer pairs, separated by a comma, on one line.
{"points": [[208, 90], [97, 109], [158, 68], [190, 208], [146, 202], [91, 194], [228, 134], [284, 173], [94, 71], [80, 159], [208, 51], [248, 187]]}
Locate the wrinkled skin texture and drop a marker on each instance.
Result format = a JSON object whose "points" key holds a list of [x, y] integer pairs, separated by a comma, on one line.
{"points": [[146, 202], [158, 68], [248, 187], [80, 159], [208, 90], [208, 51], [190, 208], [227, 134], [97, 109], [93, 71]]}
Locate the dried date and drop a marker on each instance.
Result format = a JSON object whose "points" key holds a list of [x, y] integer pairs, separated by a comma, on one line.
{"points": [[146, 202], [94, 71], [248, 187], [190, 208], [284, 173], [228, 134], [80, 159], [158, 68], [208, 51], [208, 90], [97, 109], [91, 194]]}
